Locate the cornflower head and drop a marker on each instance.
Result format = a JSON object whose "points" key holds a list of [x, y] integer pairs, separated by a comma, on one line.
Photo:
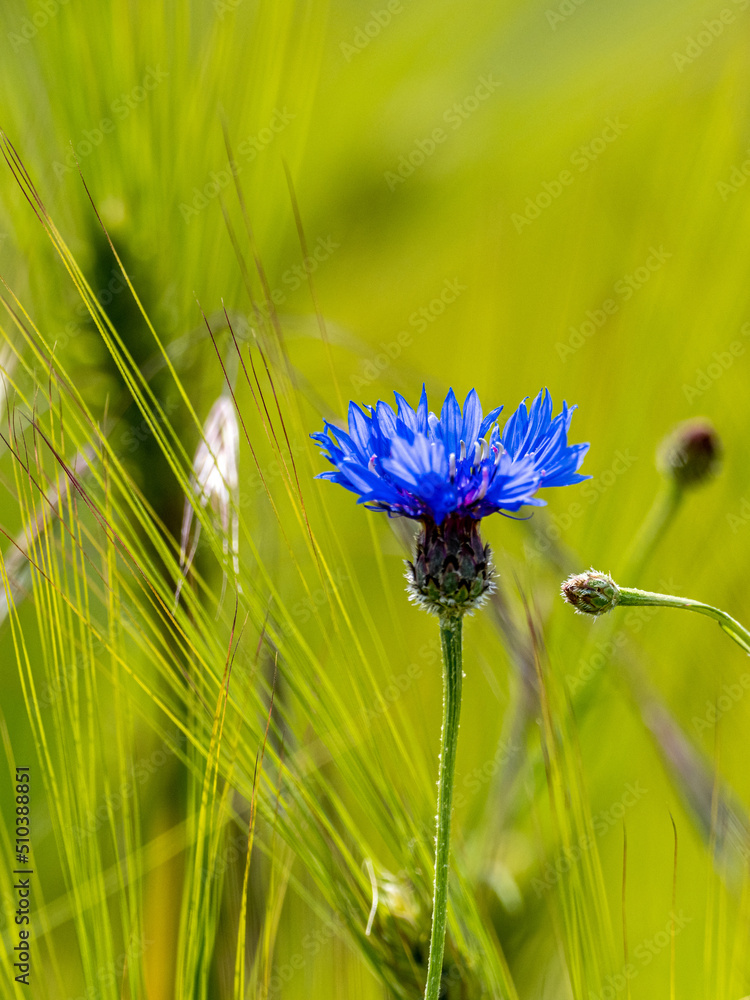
{"points": [[215, 483], [448, 472]]}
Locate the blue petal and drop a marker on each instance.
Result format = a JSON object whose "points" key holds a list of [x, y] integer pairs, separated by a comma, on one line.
{"points": [[472, 419], [360, 477], [405, 412], [515, 429], [386, 419], [423, 412], [488, 421], [407, 463], [450, 423], [400, 462], [359, 429]]}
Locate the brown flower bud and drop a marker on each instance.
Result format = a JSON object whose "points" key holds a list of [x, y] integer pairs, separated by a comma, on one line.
{"points": [[690, 454]]}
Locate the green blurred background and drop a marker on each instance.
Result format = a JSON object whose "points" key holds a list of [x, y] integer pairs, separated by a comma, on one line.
{"points": [[503, 196]]}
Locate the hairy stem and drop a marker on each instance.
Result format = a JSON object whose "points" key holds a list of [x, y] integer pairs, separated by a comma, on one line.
{"points": [[631, 596], [451, 638]]}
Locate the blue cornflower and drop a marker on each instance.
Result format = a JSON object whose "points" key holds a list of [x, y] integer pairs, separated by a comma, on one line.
{"points": [[449, 472], [412, 463]]}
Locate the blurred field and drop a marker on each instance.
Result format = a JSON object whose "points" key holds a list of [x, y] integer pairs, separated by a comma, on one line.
{"points": [[503, 196]]}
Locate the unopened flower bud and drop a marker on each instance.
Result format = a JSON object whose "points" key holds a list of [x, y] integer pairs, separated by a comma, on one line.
{"points": [[690, 454], [591, 593]]}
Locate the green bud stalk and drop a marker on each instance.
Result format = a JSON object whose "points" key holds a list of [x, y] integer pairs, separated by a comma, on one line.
{"points": [[596, 593]]}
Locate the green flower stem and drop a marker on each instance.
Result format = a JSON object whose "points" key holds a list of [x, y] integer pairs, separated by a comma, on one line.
{"points": [[450, 636], [653, 529], [630, 596]]}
